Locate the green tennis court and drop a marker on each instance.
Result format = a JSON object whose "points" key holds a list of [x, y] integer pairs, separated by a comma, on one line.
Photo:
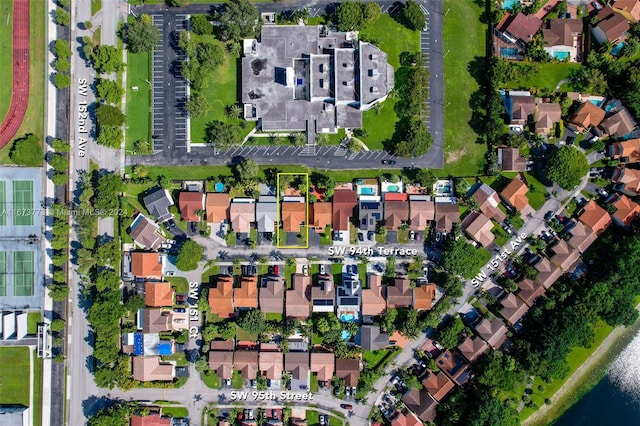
{"points": [[3, 273], [23, 202], [3, 203], [23, 273]]}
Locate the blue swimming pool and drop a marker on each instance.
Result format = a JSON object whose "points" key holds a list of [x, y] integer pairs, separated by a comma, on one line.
{"points": [[345, 335], [347, 318], [508, 52], [561, 56], [509, 4], [219, 187], [393, 188], [367, 191], [596, 102], [617, 49]]}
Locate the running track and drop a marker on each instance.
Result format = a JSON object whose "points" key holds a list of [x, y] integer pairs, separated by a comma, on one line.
{"points": [[20, 91]]}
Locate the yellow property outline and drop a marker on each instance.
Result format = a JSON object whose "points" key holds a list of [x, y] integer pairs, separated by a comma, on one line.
{"points": [[306, 210]]}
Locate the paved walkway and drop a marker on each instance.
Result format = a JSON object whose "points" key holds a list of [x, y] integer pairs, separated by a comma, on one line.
{"points": [[20, 80]]}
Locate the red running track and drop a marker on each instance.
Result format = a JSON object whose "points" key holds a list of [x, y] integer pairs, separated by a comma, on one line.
{"points": [[20, 91]]}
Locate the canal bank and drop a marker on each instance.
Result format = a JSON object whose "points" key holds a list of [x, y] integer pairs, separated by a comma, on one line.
{"points": [[585, 377]]}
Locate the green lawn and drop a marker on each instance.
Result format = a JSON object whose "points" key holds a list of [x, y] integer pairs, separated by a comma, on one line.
{"points": [[175, 412], [6, 70], [464, 40], [179, 284], [221, 92], [537, 192], [547, 77], [209, 273], [313, 384], [33, 319], [242, 334], [393, 38], [37, 391], [312, 418], [14, 381], [237, 381], [375, 358], [179, 357], [211, 379], [138, 101], [96, 5], [501, 235]]}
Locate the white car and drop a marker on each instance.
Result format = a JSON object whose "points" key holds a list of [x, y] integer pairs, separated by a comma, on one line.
{"points": [[322, 269], [165, 246], [305, 270], [170, 241]]}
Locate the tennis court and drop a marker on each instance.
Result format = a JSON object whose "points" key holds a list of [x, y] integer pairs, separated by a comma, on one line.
{"points": [[3, 205], [23, 273], [23, 202], [3, 273]]}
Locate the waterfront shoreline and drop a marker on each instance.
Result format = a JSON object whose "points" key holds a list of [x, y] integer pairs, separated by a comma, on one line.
{"points": [[588, 374]]}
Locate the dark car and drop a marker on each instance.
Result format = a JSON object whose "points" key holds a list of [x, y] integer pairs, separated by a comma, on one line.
{"points": [[371, 235], [548, 215], [346, 406], [194, 226], [390, 162], [166, 225], [172, 223], [360, 237], [180, 310], [270, 270]]}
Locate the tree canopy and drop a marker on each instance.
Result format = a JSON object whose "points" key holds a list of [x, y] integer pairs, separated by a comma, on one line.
{"points": [[27, 151], [448, 335], [109, 90], [240, 19], [461, 258], [222, 135], [200, 25], [253, 321], [106, 59], [189, 255], [412, 16], [567, 166], [141, 35]]}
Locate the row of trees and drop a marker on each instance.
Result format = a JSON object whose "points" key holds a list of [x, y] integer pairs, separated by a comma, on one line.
{"points": [[352, 16], [62, 15], [59, 161], [62, 64], [58, 289], [204, 57]]}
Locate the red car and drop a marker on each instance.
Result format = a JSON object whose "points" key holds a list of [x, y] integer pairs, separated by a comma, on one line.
{"points": [[181, 298], [276, 270]]}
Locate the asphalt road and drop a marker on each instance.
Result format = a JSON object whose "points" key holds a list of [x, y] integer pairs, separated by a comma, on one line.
{"points": [[173, 145]]}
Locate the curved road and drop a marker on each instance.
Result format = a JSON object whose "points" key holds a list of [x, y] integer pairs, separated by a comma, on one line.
{"points": [[20, 85]]}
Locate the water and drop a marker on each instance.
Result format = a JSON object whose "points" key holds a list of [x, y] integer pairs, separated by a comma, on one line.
{"points": [[615, 400], [561, 56], [509, 4], [617, 48]]}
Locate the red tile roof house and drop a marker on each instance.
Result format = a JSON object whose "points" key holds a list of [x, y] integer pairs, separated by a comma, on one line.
{"points": [[529, 291], [547, 115], [400, 294], [221, 297], [488, 201], [222, 363], [446, 215], [323, 364], [298, 298], [190, 203], [514, 195], [512, 308], [582, 237], [438, 385], [548, 272], [217, 205], [630, 9], [626, 210], [344, 204], [271, 365], [246, 296], [626, 180], [564, 256], [423, 296], [320, 216], [242, 214], [374, 298], [421, 403], [524, 27], [272, 295], [611, 28], [402, 419], [479, 227], [349, 370], [587, 115], [472, 347], [146, 265], [627, 151], [152, 369], [422, 211], [619, 124], [510, 160], [246, 363], [595, 217], [158, 294], [396, 213], [452, 364], [493, 332], [150, 420]]}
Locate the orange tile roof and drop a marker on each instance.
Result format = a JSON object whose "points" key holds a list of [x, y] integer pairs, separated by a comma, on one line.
{"points": [[595, 217], [374, 298], [588, 114], [241, 216], [220, 297], [628, 179], [402, 419], [189, 203], [217, 206], [582, 237], [548, 272], [293, 214], [438, 385], [344, 202], [421, 213], [320, 215], [158, 294], [323, 363], [423, 296], [150, 368], [515, 194], [400, 294], [627, 210], [479, 227], [146, 264], [395, 196], [247, 295], [629, 149], [150, 420], [298, 298]]}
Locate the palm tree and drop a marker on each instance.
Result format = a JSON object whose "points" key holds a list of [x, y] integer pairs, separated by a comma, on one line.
{"points": [[263, 260], [236, 263], [222, 254], [291, 261]]}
